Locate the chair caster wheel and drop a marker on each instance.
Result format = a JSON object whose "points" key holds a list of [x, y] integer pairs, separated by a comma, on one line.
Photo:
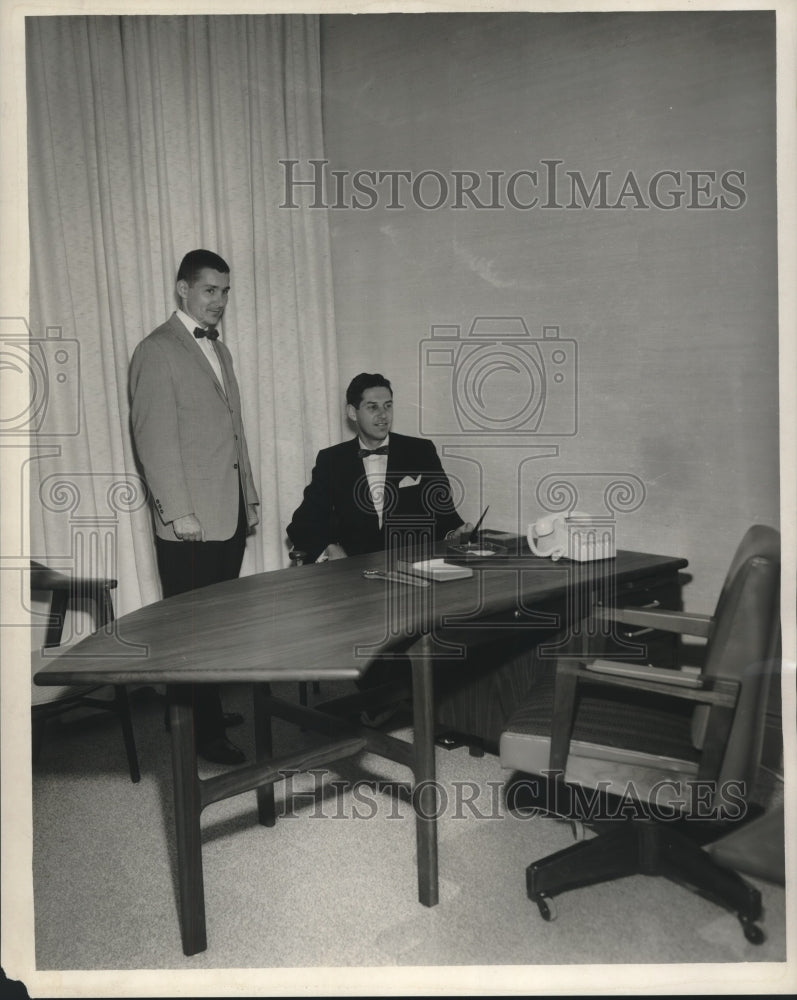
{"points": [[753, 932], [547, 908], [578, 829]]}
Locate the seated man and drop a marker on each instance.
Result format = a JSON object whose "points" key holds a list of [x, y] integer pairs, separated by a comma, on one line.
{"points": [[355, 484], [378, 479]]}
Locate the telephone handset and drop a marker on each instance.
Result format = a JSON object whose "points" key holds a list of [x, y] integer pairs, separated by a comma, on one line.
{"points": [[575, 535], [548, 537]]}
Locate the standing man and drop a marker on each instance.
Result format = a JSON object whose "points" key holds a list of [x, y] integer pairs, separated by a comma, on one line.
{"points": [[186, 420], [357, 485]]}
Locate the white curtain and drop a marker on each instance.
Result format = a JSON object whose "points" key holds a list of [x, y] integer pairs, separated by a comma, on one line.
{"points": [[149, 137]]}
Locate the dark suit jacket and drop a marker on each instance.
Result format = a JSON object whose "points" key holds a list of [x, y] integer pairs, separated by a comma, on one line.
{"points": [[188, 432], [337, 507]]}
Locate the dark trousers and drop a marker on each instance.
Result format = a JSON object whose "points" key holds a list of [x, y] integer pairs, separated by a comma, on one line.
{"points": [[188, 566]]}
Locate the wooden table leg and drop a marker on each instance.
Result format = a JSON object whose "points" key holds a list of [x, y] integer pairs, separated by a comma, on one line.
{"points": [[425, 791], [266, 812], [187, 812]]}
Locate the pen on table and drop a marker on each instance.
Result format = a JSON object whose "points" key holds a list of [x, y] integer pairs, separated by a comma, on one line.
{"points": [[478, 525]]}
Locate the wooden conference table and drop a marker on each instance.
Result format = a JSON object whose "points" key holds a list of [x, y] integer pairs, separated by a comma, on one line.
{"points": [[325, 622]]}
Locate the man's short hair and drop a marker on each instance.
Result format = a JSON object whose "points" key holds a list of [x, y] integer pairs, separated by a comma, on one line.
{"points": [[196, 261], [361, 382]]}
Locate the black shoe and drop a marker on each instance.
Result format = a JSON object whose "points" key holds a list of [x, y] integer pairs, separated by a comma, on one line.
{"points": [[221, 751], [229, 719]]}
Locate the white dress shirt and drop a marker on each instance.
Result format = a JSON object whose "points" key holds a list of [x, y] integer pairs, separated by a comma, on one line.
{"points": [[376, 471], [204, 344]]}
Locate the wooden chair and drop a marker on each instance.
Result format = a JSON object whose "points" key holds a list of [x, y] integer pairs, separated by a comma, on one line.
{"points": [[674, 754], [50, 702]]}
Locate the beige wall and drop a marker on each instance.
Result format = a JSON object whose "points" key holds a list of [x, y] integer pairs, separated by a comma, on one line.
{"points": [[673, 313]]}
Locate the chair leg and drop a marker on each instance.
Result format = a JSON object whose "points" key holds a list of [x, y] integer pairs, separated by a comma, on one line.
{"points": [[58, 605], [303, 691], [609, 856], [648, 848], [123, 710], [682, 861]]}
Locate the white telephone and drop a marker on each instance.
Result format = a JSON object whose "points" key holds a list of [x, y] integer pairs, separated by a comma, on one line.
{"points": [[548, 537], [576, 536]]}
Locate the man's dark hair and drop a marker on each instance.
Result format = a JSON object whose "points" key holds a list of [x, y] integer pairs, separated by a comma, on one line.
{"points": [[194, 262], [361, 382]]}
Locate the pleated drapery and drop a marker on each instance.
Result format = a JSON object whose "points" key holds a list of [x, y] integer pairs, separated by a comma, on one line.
{"points": [[149, 137]]}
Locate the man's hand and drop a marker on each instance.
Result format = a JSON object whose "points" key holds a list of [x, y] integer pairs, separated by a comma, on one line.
{"points": [[335, 551], [460, 534], [252, 516], [188, 529]]}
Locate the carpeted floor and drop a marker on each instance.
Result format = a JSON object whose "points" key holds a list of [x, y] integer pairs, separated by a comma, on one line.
{"points": [[334, 883]]}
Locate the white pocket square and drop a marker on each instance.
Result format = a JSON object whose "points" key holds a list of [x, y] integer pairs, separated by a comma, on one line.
{"points": [[409, 481]]}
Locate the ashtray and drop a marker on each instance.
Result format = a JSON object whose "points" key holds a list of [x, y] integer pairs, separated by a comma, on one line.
{"points": [[480, 549]]}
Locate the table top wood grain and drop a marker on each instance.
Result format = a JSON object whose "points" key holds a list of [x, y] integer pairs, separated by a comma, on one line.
{"points": [[322, 621]]}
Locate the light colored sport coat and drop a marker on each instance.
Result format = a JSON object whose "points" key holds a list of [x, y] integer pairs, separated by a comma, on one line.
{"points": [[188, 432]]}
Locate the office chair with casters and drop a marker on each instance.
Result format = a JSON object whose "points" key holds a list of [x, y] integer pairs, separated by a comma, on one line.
{"points": [[51, 702], [658, 763]]}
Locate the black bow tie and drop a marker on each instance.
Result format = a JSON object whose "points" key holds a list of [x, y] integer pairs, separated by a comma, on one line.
{"points": [[365, 452], [211, 333]]}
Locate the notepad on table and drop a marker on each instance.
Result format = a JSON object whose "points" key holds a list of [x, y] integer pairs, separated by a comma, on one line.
{"points": [[435, 569]]}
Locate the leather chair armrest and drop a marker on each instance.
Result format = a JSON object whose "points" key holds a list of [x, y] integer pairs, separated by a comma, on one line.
{"points": [[709, 691], [644, 672], [719, 693]]}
